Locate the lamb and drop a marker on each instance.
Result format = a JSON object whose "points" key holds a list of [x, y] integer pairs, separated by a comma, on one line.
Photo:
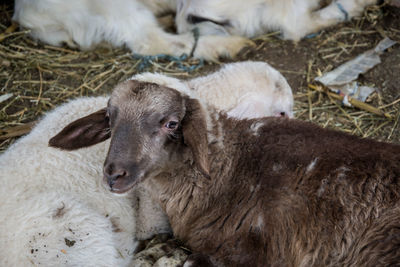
{"points": [[54, 210], [294, 18], [268, 192], [132, 23]]}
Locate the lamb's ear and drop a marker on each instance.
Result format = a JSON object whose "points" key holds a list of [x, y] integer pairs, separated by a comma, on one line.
{"points": [[84, 132], [194, 128]]}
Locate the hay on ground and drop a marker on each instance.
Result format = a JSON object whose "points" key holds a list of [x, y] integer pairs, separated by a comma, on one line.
{"points": [[35, 78]]}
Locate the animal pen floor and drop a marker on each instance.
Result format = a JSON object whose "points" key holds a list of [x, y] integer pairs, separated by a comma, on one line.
{"points": [[39, 77]]}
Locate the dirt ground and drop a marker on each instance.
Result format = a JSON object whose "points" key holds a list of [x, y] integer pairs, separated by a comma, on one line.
{"points": [[299, 62]]}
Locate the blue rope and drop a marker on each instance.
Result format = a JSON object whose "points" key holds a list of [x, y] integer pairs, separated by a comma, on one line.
{"points": [[146, 61], [341, 8], [312, 35]]}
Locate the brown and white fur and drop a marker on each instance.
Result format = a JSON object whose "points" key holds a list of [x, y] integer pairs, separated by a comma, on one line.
{"points": [[260, 192]]}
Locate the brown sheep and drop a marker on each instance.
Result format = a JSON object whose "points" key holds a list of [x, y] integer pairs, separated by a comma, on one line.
{"points": [[259, 192]]}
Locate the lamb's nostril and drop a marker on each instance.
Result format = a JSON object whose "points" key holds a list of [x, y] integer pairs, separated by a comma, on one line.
{"points": [[113, 173], [116, 175]]}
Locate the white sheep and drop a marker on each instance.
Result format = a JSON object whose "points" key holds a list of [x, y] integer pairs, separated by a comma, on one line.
{"points": [[87, 23], [54, 209], [295, 18]]}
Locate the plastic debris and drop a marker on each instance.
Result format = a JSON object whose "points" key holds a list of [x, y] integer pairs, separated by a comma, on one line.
{"points": [[342, 79], [5, 97]]}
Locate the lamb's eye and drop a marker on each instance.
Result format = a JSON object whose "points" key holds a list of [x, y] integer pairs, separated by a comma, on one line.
{"points": [[171, 125]]}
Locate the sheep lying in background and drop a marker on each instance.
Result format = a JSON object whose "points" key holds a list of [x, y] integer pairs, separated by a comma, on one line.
{"points": [[54, 210], [87, 23], [270, 192], [294, 18], [245, 89], [271, 95]]}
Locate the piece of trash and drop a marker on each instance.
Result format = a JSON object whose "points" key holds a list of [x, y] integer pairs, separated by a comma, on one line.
{"points": [[342, 79], [350, 100], [5, 97], [354, 90], [64, 251]]}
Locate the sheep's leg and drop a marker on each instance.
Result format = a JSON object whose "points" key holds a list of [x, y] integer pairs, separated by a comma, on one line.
{"points": [[149, 38], [156, 41], [208, 47], [337, 11], [355, 7], [340, 10], [211, 47], [53, 37]]}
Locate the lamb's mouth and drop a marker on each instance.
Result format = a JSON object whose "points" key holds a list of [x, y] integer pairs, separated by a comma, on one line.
{"points": [[124, 185]]}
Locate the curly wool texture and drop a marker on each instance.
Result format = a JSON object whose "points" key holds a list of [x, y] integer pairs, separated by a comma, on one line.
{"points": [[49, 195]]}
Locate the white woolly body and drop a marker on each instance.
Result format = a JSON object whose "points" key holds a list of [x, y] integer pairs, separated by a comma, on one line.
{"points": [[246, 90], [48, 196], [295, 18]]}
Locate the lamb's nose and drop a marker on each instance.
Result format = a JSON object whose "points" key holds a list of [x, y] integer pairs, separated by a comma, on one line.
{"points": [[113, 173]]}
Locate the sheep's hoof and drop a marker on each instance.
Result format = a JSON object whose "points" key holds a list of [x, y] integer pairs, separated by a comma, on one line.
{"points": [[212, 47], [9, 30], [160, 251]]}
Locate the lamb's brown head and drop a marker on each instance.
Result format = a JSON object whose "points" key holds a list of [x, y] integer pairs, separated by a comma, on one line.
{"points": [[149, 125]]}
